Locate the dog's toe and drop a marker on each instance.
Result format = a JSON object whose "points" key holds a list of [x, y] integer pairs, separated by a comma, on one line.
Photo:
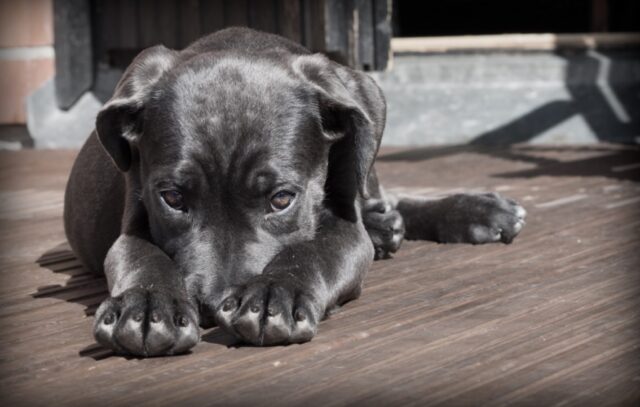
{"points": [[267, 312], [146, 323], [305, 326], [483, 218], [385, 227], [520, 212]]}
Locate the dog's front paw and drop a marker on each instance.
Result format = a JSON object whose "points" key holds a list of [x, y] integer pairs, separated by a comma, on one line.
{"points": [[481, 218], [384, 226], [268, 311], [144, 322]]}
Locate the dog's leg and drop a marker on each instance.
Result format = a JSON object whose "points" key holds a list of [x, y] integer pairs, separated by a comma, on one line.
{"points": [[148, 313], [297, 288], [384, 224], [462, 218]]}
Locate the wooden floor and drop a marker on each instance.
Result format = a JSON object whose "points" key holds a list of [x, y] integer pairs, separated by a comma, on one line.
{"points": [[553, 319]]}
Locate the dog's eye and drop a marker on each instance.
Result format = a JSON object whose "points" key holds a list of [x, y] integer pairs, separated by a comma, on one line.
{"points": [[281, 200], [173, 199]]}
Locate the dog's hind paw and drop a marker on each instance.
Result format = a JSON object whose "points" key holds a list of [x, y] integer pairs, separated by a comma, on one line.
{"points": [[481, 218], [385, 227], [145, 323], [268, 311]]}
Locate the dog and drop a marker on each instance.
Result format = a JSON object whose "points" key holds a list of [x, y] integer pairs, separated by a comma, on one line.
{"points": [[232, 183]]}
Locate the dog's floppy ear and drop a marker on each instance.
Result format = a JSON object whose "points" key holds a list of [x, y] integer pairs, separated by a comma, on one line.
{"points": [[352, 110], [119, 123]]}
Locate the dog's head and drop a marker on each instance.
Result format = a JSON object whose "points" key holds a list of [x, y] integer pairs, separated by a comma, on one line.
{"points": [[234, 156]]}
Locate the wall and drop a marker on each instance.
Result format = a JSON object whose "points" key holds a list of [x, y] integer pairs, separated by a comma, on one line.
{"points": [[26, 54]]}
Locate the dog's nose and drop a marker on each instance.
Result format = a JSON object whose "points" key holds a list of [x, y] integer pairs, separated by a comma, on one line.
{"points": [[207, 315]]}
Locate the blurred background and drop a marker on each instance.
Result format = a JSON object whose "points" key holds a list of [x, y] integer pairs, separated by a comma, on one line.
{"points": [[489, 72]]}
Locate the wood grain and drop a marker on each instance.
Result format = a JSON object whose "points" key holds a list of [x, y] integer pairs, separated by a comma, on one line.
{"points": [[552, 319]]}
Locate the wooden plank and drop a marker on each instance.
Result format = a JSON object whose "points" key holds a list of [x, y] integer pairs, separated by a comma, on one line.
{"points": [[338, 31], [127, 24], [366, 36], [236, 13], [517, 42], [158, 23], [212, 15], [108, 12], [117, 40], [262, 15], [167, 22], [189, 22], [290, 19], [382, 20], [117, 23], [314, 17], [147, 15], [549, 319]]}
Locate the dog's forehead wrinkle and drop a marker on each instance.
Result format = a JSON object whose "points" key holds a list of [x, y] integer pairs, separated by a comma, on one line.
{"points": [[188, 172], [258, 105], [234, 159], [257, 90]]}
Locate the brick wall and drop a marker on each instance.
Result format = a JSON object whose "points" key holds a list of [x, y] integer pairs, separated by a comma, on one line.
{"points": [[26, 54]]}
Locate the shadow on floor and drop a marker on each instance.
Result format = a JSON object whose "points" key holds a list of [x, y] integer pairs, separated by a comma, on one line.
{"points": [[89, 290], [82, 287], [214, 336], [621, 165], [610, 162], [219, 337]]}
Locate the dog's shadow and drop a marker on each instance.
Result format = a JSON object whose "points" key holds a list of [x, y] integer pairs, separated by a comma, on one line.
{"points": [[89, 290], [82, 287]]}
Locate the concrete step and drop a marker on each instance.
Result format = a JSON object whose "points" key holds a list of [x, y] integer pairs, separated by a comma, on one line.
{"points": [[509, 97]]}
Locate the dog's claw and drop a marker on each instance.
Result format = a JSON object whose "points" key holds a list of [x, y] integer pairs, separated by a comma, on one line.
{"points": [[300, 316], [182, 321], [385, 227], [128, 324], [287, 315], [109, 319]]}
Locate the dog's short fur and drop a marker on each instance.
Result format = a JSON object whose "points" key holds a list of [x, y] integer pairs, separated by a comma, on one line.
{"points": [[172, 196]]}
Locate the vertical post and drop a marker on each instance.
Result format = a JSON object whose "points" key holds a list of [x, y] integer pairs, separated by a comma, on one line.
{"points": [[74, 57], [358, 32], [337, 19], [382, 21], [290, 19], [313, 17], [366, 40]]}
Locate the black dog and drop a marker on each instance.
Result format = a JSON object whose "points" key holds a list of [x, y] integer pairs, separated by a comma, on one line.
{"points": [[232, 183]]}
